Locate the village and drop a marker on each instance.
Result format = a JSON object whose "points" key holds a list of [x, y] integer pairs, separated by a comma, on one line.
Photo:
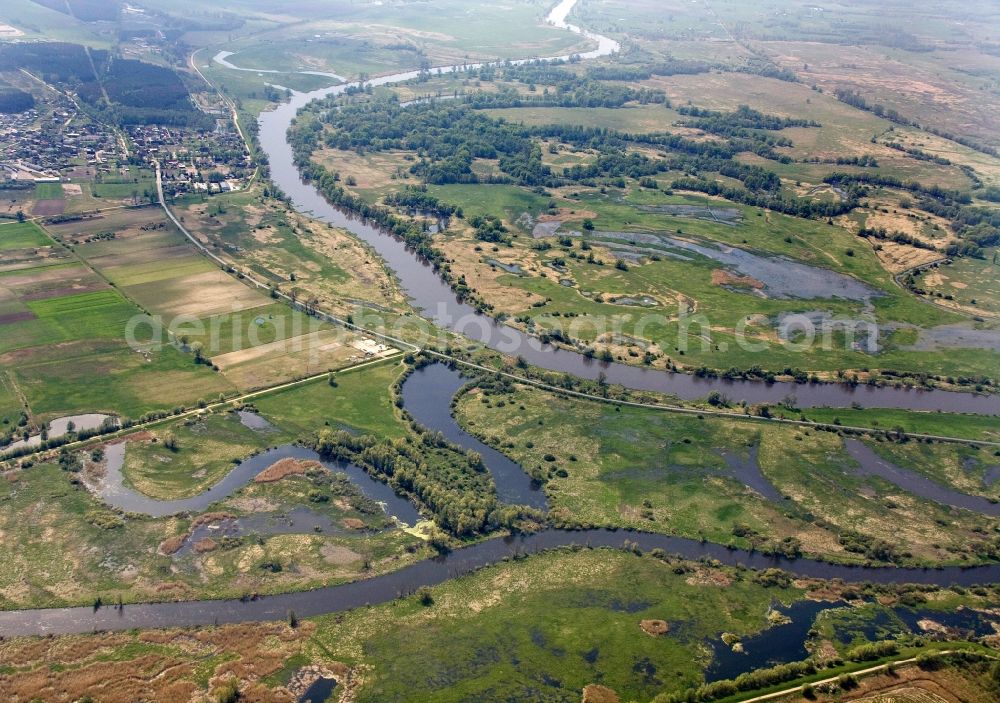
{"points": [[55, 159]]}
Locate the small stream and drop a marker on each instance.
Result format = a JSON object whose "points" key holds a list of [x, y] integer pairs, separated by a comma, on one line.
{"points": [[297, 521], [60, 426], [222, 58], [871, 464]]}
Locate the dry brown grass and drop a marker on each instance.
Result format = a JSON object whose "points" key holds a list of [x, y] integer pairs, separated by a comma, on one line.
{"points": [[721, 277], [596, 693], [285, 467], [163, 665], [900, 257], [205, 545], [919, 87], [171, 545], [490, 281], [269, 364], [207, 293], [654, 628], [366, 278], [372, 170], [909, 684]]}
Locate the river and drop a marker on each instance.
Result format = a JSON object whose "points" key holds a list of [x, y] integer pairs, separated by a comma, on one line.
{"points": [[430, 294], [431, 572]]}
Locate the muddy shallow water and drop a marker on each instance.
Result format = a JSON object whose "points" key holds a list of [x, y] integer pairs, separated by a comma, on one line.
{"points": [[60, 426], [782, 277], [298, 521]]}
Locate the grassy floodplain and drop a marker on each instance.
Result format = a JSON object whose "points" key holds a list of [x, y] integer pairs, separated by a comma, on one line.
{"points": [[583, 251], [682, 474], [543, 628]]}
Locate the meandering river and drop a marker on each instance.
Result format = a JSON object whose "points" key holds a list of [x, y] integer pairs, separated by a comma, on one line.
{"points": [[432, 572], [512, 483], [438, 303]]}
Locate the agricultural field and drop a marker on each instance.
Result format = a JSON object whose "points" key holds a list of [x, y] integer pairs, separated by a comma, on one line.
{"points": [[36, 21], [63, 345], [252, 340], [85, 194], [730, 481], [13, 201]]}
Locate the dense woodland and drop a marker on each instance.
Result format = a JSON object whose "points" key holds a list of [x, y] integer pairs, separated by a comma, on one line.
{"points": [[13, 100], [449, 136], [139, 92], [452, 483]]}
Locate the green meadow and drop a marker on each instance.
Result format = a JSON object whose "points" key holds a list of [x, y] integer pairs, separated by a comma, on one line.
{"points": [[646, 469]]}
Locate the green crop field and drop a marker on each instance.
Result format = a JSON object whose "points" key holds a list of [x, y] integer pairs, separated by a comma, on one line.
{"points": [[10, 403], [361, 402], [21, 235], [66, 350], [114, 379], [44, 191]]}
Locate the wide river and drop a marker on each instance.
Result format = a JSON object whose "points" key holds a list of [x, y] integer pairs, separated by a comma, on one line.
{"points": [[438, 303]]}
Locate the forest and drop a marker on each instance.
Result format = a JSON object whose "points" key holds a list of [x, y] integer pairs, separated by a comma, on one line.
{"points": [[13, 100], [140, 92]]}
